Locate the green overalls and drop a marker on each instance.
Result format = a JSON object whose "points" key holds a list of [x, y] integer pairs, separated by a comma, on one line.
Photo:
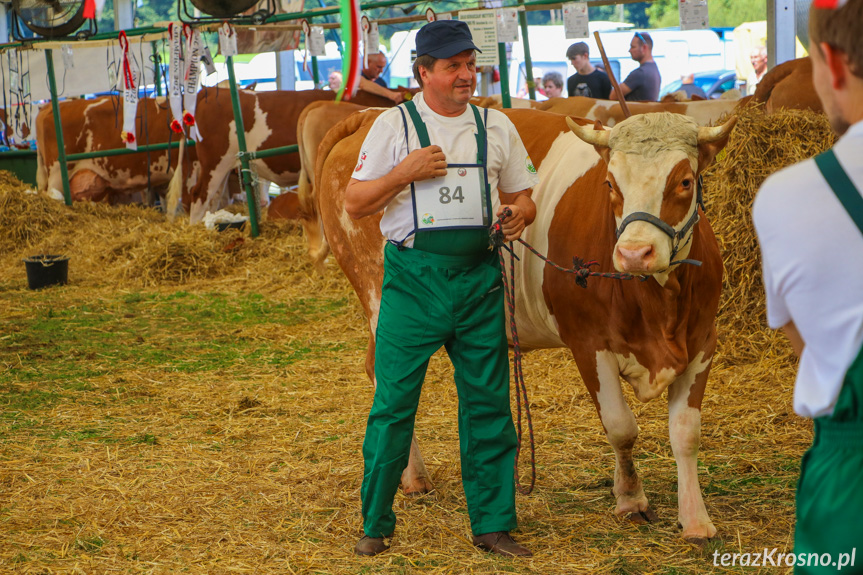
{"points": [[830, 488], [446, 291]]}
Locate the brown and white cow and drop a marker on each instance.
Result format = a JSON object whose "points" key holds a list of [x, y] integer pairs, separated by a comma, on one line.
{"points": [[270, 121], [312, 126], [657, 334], [91, 125], [788, 85], [609, 112]]}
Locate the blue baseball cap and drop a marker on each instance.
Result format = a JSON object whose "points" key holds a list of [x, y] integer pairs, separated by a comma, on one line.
{"points": [[444, 39]]}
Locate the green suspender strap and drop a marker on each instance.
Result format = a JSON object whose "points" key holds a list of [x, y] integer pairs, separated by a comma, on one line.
{"points": [[842, 186], [419, 125]]}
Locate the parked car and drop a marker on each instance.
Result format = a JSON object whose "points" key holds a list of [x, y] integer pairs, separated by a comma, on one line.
{"points": [[713, 83]]}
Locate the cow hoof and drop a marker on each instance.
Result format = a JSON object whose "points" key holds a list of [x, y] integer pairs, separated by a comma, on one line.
{"points": [[642, 517], [418, 487], [699, 536], [697, 541]]}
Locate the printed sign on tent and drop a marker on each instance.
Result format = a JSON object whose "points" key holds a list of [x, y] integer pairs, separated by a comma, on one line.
{"points": [[693, 15], [483, 28], [575, 20], [507, 25], [316, 42], [227, 40]]}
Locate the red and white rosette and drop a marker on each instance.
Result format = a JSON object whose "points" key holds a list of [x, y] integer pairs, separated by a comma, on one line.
{"points": [[130, 94], [366, 25], [175, 75], [307, 29], [192, 77]]}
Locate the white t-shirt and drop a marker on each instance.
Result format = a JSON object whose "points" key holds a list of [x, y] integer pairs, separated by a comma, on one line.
{"points": [[813, 271], [509, 167]]}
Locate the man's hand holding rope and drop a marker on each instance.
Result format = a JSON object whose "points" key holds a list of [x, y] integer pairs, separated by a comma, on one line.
{"points": [[523, 212]]}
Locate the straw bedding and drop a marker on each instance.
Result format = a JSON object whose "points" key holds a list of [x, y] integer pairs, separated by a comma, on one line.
{"points": [[256, 467]]}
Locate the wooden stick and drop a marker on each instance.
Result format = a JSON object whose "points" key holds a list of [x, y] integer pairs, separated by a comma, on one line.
{"points": [[611, 77]]}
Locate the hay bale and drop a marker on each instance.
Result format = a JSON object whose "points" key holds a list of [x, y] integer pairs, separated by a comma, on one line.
{"points": [[24, 217], [134, 245], [760, 145]]}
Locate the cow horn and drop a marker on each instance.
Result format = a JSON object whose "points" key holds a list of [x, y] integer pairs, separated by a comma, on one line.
{"points": [[715, 133], [588, 134]]}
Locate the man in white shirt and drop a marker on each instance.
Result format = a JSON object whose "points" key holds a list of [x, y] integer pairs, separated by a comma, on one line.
{"points": [[440, 170], [809, 219]]}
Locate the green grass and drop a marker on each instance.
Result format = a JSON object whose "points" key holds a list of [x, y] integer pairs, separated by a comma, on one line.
{"points": [[176, 332]]}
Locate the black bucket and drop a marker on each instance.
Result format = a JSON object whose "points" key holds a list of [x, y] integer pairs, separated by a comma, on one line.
{"points": [[44, 271]]}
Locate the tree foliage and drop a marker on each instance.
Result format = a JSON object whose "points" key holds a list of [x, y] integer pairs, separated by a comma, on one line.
{"points": [[723, 13], [147, 13]]}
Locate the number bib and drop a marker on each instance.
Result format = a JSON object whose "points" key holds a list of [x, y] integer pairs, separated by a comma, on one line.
{"points": [[457, 200]]}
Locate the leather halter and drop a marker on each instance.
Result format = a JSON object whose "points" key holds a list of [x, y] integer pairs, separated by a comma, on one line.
{"points": [[676, 236]]}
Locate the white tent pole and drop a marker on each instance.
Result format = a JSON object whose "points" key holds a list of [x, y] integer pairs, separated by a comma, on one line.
{"points": [[124, 14], [781, 35]]}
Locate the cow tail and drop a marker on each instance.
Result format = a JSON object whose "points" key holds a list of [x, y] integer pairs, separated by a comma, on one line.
{"points": [[175, 187], [41, 171]]}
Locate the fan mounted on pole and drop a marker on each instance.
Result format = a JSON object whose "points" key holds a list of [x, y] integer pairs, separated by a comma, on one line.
{"points": [[221, 10], [50, 18]]}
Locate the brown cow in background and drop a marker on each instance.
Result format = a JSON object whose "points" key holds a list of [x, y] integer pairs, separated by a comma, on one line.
{"points": [[788, 85]]}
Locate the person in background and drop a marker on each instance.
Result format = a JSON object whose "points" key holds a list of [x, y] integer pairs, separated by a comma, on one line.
{"points": [[552, 83], [642, 84], [377, 63], [587, 81], [813, 212], [334, 81], [758, 59], [538, 89], [689, 86], [370, 80]]}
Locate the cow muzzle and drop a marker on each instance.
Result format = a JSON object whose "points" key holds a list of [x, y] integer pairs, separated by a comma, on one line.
{"points": [[639, 258]]}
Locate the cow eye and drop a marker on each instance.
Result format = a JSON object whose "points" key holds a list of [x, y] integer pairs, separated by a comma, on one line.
{"points": [[687, 183], [607, 183]]}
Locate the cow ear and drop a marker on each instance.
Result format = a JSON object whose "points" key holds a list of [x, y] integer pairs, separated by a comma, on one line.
{"points": [[598, 136], [603, 151], [712, 140]]}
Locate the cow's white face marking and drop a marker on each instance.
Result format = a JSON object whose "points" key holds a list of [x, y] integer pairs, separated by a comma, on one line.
{"points": [[567, 160], [641, 180], [643, 152]]}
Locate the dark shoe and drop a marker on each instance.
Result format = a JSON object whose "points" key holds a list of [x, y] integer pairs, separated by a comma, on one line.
{"points": [[502, 543], [370, 546]]}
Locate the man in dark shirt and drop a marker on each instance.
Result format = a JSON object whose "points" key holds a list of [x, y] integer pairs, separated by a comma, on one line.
{"points": [[377, 64], [688, 85], [643, 83], [587, 80]]}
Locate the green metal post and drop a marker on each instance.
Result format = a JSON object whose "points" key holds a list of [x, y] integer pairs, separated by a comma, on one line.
{"points": [[157, 76], [251, 197], [58, 128], [503, 67], [315, 73], [126, 151], [528, 65]]}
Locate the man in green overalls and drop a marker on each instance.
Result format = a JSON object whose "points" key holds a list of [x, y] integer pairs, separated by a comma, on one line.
{"points": [[812, 212], [441, 170]]}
